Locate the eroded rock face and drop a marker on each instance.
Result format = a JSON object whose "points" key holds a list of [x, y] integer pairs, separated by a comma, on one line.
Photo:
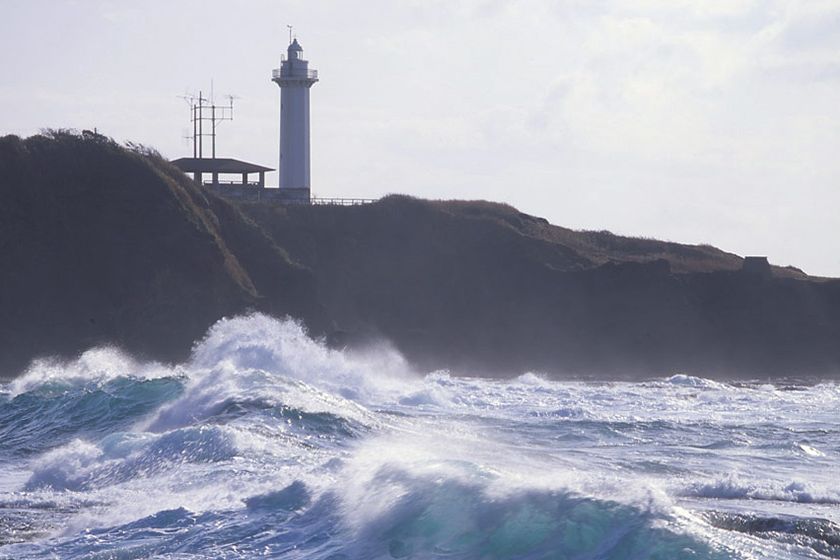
{"points": [[486, 290], [100, 244]]}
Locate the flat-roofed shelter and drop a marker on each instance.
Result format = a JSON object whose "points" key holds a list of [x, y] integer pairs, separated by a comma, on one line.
{"points": [[222, 166]]}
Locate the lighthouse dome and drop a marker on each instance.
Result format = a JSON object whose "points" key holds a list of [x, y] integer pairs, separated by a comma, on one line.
{"points": [[295, 46]]}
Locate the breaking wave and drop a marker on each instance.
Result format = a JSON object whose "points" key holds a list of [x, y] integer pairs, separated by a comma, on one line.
{"points": [[268, 444]]}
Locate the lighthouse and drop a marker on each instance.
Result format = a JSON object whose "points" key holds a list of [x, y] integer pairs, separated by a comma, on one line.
{"points": [[294, 78]]}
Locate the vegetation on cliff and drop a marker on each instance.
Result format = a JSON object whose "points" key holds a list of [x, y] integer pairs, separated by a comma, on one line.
{"points": [[106, 244], [101, 244], [482, 288]]}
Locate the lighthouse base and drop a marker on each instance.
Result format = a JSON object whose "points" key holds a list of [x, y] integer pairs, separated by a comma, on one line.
{"points": [[247, 193]]}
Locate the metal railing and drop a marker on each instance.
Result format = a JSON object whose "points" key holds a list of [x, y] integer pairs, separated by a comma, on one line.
{"points": [[273, 194], [278, 73], [235, 183], [340, 201]]}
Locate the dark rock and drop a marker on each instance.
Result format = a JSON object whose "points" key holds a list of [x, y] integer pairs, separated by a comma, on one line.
{"points": [[100, 244]]}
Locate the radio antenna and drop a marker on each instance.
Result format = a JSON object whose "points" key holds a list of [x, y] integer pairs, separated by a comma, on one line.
{"points": [[198, 114]]}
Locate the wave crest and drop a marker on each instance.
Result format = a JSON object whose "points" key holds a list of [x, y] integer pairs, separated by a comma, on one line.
{"points": [[82, 466], [734, 488], [95, 366]]}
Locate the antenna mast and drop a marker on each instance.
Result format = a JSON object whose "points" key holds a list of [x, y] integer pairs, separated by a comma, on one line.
{"points": [[218, 113]]}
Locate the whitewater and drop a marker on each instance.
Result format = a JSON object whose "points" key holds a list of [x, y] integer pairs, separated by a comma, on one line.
{"points": [[268, 444]]}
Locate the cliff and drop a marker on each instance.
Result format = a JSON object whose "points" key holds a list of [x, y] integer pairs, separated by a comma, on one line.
{"points": [[483, 288], [104, 244], [100, 244]]}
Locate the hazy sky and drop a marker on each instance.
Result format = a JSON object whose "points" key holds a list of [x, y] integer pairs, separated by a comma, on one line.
{"points": [[708, 121]]}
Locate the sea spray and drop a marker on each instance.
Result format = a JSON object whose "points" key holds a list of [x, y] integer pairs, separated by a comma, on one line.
{"points": [[266, 443]]}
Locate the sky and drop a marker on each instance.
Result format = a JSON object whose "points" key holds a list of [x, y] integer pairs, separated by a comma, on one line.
{"points": [[708, 121]]}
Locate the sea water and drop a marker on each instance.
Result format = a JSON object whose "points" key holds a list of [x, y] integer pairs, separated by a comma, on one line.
{"points": [[266, 444]]}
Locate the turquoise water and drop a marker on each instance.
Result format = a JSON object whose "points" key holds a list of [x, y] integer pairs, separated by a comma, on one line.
{"points": [[265, 444]]}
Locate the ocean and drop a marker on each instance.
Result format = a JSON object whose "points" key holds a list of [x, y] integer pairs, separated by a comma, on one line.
{"points": [[267, 444]]}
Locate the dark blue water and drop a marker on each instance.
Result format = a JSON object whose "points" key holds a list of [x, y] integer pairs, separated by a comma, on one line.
{"points": [[267, 445]]}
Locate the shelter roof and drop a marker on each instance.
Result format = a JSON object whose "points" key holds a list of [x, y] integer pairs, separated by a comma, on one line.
{"points": [[217, 165]]}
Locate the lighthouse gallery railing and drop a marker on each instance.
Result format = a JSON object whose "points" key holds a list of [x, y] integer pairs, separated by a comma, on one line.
{"points": [[310, 74]]}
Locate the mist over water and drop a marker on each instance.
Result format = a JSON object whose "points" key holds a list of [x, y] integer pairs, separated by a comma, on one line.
{"points": [[267, 444]]}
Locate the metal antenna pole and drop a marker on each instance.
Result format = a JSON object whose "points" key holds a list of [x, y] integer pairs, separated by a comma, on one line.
{"points": [[195, 130], [212, 119], [200, 125], [218, 114], [290, 34]]}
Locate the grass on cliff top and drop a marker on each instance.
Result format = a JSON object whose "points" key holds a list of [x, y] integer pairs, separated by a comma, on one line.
{"points": [[600, 247]]}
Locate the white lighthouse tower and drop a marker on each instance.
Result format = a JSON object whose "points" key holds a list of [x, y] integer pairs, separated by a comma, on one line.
{"points": [[294, 78]]}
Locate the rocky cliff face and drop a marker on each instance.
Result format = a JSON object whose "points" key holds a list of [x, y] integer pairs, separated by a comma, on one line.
{"points": [[100, 244], [486, 290]]}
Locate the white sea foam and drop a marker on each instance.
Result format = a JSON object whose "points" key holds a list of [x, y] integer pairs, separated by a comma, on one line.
{"points": [[733, 487], [274, 443], [685, 380], [271, 362], [97, 365], [283, 349]]}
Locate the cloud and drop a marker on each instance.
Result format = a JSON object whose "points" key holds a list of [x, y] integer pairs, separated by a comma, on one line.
{"points": [[708, 121]]}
